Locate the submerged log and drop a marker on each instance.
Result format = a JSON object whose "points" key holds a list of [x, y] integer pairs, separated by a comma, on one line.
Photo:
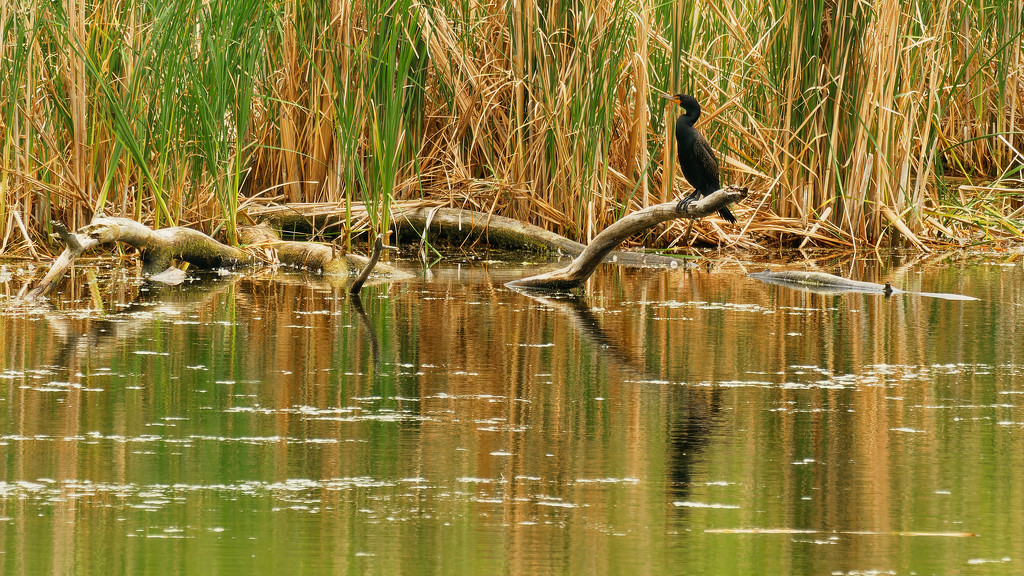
{"points": [[577, 272], [455, 225], [313, 256], [822, 283], [159, 248]]}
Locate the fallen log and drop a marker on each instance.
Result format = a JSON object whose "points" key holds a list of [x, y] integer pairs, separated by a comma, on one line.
{"points": [[502, 232], [456, 225], [822, 283], [159, 248], [577, 272], [312, 256]]}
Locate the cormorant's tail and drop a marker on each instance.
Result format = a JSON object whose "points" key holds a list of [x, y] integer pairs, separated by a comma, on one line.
{"points": [[724, 212]]}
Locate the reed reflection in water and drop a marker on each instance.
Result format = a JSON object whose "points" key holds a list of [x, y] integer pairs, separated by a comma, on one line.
{"points": [[689, 421]]}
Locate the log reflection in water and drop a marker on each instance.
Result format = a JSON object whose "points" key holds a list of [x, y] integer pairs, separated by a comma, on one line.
{"points": [[692, 413], [100, 335], [582, 318]]}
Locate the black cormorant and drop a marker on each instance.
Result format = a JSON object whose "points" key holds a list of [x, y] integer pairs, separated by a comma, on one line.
{"points": [[696, 157]]}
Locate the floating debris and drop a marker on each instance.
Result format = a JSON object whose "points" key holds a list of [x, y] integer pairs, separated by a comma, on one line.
{"points": [[822, 283], [839, 532]]}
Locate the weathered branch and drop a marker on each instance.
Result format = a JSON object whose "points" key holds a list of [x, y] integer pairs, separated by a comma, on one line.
{"points": [[314, 256], [70, 239], [453, 224], [160, 247], [76, 245], [584, 265]]}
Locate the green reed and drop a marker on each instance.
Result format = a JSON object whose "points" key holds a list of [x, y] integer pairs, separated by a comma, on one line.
{"points": [[867, 115], [389, 82], [223, 78]]}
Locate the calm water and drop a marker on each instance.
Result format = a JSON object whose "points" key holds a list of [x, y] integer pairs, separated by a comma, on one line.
{"points": [[671, 422]]}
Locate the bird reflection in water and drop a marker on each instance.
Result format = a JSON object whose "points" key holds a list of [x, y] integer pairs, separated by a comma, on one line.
{"points": [[693, 412]]}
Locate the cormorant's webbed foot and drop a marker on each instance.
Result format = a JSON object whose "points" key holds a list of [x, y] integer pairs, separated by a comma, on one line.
{"points": [[685, 202]]}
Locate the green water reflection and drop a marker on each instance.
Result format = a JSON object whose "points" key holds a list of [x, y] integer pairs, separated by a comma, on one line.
{"points": [[686, 421]]}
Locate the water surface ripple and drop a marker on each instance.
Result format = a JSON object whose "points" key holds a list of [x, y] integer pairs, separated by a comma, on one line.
{"points": [[689, 421]]}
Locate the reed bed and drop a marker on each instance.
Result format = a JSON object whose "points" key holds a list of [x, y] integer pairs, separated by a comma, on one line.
{"points": [[854, 122]]}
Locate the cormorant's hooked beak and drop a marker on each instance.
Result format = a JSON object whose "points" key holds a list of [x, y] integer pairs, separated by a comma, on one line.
{"points": [[666, 95]]}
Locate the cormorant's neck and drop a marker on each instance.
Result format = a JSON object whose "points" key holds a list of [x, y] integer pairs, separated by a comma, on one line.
{"points": [[692, 113]]}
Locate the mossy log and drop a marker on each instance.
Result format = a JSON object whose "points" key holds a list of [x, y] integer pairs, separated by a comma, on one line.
{"points": [[313, 256], [577, 272]]}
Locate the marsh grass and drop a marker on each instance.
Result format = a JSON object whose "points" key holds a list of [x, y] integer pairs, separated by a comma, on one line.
{"points": [[854, 122]]}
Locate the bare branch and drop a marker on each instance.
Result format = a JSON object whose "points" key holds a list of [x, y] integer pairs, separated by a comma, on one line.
{"points": [[577, 272]]}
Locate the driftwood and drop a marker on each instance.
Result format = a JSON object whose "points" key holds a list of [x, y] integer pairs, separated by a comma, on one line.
{"points": [[577, 272], [313, 256], [822, 283], [456, 225], [159, 248]]}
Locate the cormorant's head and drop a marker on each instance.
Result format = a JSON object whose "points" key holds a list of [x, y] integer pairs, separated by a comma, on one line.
{"points": [[686, 102]]}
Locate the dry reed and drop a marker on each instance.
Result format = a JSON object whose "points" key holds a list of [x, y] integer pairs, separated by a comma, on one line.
{"points": [[855, 123]]}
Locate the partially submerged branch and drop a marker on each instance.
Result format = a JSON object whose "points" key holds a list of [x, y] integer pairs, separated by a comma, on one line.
{"points": [[357, 284], [159, 248], [76, 245], [321, 258], [822, 283], [455, 225], [584, 265]]}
